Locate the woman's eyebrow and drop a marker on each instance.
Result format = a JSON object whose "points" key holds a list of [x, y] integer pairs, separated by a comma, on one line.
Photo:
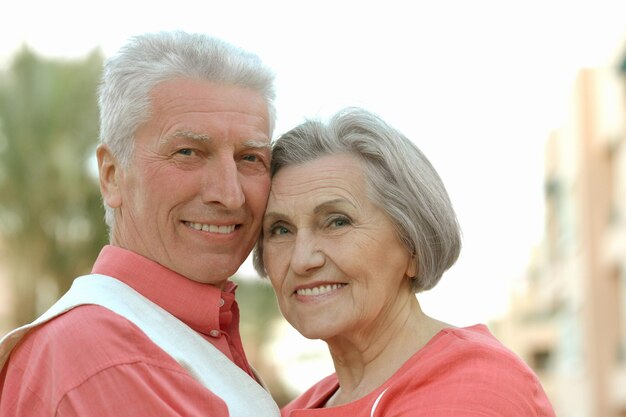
{"points": [[272, 216], [331, 204]]}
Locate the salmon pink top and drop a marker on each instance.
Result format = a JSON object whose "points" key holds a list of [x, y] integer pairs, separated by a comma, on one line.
{"points": [[461, 372]]}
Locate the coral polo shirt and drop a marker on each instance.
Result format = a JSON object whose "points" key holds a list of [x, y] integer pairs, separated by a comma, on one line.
{"points": [[92, 362]]}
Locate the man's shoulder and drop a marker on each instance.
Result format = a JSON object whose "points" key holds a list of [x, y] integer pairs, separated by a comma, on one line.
{"points": [[92, 360], [85, 338]]}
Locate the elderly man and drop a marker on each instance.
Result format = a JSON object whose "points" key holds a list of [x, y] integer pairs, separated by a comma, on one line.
{"points": [[184, 153]]}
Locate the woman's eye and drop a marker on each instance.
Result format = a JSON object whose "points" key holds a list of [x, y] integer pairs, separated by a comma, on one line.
{"points": [[279, 230], [340, 221]]}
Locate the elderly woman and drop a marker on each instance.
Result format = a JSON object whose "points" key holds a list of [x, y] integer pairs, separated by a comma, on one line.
{"points": [[357, 222]]}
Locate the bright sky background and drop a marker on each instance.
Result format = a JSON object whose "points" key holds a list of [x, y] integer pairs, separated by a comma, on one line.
{"points": [[477, 85]]}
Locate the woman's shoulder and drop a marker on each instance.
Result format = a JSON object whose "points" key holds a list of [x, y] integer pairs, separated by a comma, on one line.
{"points": [[468, 369], [475, 342], [468, 350]]}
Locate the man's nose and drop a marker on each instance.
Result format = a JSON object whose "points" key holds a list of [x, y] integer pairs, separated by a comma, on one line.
{"points": [[222, 184]]}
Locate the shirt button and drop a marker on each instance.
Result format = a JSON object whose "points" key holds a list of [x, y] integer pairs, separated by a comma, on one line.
{"points": [[214, 333], [221, 302]]}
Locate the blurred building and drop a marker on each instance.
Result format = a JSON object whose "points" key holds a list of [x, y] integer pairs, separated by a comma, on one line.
{"points": [[568, 316]]}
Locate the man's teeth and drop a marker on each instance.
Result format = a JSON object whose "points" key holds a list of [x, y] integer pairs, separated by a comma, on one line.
{"points": [[319, 290], [212, 228]]}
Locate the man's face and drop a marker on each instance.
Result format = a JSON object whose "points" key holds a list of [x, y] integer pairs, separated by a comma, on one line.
{"points": [[193, 196]]}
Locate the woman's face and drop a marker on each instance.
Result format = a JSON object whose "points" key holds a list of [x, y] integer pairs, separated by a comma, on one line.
{"points": [[333, 257]]}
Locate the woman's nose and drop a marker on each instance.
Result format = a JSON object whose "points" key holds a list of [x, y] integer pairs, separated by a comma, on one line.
{"points": [[306, 257]]}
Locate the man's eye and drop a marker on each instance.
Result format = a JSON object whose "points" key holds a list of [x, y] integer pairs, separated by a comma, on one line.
{"points": [[186, 152], [252, 158]]}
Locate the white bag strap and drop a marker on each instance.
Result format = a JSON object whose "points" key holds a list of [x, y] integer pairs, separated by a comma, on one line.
{"points": [[242, 394]]}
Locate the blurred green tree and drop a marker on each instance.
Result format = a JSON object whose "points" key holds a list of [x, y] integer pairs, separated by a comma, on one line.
{"points": [[51, 216]]}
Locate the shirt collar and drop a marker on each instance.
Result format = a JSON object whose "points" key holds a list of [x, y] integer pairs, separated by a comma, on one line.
{"points": [[202, 307]]}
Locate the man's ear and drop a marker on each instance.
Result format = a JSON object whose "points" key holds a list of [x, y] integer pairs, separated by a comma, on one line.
{"points": [[110, 176]]}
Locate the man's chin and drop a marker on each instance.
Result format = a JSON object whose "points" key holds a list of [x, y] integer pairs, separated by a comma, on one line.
{"points": [[212, 273]]}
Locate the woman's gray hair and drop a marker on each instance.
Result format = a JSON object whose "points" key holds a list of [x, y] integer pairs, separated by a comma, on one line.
{"points": [[401, 181], [150, 59]]}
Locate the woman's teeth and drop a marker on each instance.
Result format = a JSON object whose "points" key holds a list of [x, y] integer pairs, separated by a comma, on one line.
{"points": [[322, 289]]}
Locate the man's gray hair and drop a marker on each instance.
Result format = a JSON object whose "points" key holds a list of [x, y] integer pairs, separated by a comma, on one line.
{"points": [[400, 179], [150, 59]]}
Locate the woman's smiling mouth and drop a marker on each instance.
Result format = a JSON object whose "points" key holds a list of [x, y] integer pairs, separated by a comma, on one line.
{"points": [[319, 290]]}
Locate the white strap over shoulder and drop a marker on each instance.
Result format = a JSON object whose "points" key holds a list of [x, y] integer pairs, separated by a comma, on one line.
{"points": [[243, 395]]}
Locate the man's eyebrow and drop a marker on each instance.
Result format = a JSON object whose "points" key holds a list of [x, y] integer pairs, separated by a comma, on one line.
{"points": [[187, 134], [257, 144]]}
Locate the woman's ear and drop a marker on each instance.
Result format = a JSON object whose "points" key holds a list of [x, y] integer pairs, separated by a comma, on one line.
{"points": [[412, 267], [110, 172]]}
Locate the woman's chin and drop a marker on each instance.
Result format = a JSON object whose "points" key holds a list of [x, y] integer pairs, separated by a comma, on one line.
{"points": [[314, 331]]}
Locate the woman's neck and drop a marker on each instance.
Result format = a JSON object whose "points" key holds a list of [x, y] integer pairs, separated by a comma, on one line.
{"points": [[367, 358]]}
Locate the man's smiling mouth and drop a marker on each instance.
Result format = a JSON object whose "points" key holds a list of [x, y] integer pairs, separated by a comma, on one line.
{"points": [[212, 228]]}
